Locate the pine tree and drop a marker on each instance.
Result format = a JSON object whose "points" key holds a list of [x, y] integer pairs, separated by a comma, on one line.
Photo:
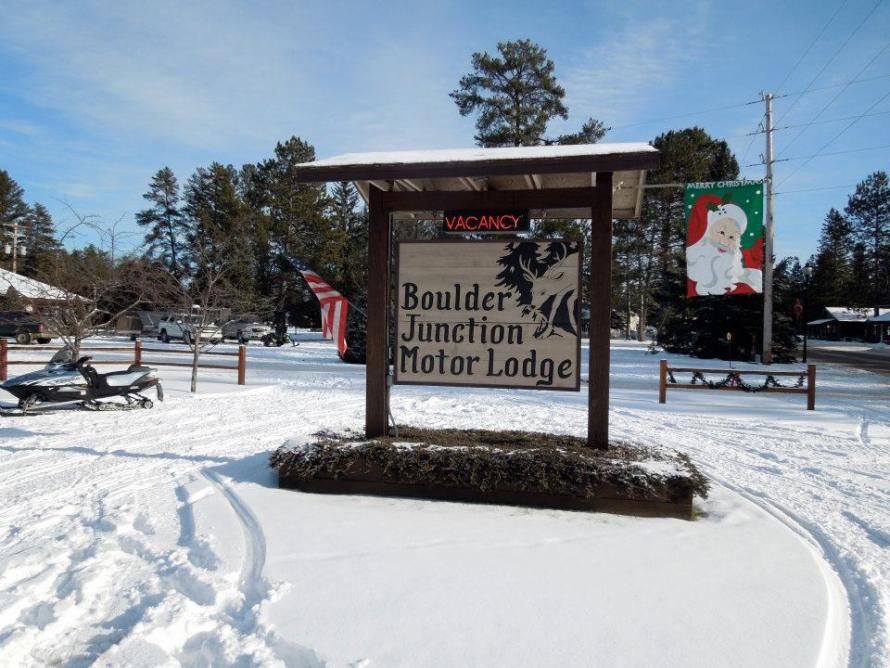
{"points": [[832, 268], [167, 229], [350, 239], [860, 275], [868, 210], [40, 240], [299, 229], [697, 326], [659, 248], [515, 95], [218, 235], [13, 208]]}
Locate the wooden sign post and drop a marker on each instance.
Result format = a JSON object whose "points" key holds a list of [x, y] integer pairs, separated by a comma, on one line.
{"points": [[382, 204], [491, 191]]}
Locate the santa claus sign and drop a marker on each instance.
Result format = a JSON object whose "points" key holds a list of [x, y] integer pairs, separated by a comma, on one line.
{"points": [[724, 238]]}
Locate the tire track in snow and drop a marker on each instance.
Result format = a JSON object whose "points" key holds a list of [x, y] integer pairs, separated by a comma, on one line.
{"points": [[864, 597]]}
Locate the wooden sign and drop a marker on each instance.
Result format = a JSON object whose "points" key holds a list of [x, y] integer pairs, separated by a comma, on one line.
{"points": [[485, 222], [499, 313]]}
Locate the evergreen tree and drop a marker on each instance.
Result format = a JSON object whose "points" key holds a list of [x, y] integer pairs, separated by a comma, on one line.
{"points": [[832, 266], [164, 220], [40, 240], [868, 210], [860, 274], [700, 325], [218, 235], [252, 188], [349, 235], [299, 229], [13, 208], [515, 95], [658, 239]]}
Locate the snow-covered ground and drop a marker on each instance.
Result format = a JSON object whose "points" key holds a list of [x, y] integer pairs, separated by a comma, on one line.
{"points": [[159, 538]]}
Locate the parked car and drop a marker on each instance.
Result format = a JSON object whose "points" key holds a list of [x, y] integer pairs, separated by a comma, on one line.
{"points": [[245, 330], [23, 327], [176, 327]]}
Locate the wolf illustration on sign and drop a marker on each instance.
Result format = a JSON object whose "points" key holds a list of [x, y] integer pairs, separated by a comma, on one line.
{"points": [[542, 286]]}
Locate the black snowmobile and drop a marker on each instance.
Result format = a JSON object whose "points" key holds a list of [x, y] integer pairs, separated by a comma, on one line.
{"points": [[66, 380]]}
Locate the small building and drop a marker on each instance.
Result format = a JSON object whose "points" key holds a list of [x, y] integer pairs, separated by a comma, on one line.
{"points": [[15, 288], [848, 323], [880, 327]]}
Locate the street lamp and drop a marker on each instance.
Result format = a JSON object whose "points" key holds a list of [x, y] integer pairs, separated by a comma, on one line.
{"points": [[808, 274]]}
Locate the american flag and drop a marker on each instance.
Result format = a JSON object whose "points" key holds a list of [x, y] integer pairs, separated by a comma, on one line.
{"points": [[334, 307]]}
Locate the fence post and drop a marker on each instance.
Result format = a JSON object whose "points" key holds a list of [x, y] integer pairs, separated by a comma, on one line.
{"points": [[662, 381], [811, 387], [3, 359], [242, 364], [137, 352]]}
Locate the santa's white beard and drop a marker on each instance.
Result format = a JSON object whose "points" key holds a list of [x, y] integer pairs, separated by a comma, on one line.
{"points": [[716, 272]]}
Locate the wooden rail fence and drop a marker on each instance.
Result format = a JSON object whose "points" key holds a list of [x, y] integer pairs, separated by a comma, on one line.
{"points": [[136, 352], [732, 381]]}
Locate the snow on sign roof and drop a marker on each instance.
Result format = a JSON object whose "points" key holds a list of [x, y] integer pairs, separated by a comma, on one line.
{"points": [[29, 288], [465, 155], [510, 168]]}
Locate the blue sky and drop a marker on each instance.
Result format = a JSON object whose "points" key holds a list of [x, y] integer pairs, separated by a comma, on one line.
{"points": [[95, 97]]}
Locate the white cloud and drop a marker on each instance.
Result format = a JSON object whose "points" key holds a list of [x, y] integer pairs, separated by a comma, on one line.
{"points": [[620, 78], [206, 75]]}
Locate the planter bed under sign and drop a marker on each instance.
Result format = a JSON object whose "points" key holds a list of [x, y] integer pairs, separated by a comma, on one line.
{"points": [[511, 468]]}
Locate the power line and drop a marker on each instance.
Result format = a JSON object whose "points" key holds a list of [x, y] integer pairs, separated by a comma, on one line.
{"points": [[809, 48], [686, 115], [833, 56], [839, 93], [822, 155], [830, 120], [809, 190], [832, 140], [830, 86], [753, 137]]}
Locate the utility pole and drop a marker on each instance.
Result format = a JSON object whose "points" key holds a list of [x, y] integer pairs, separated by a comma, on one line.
{"points": [[768, 237], [13, 249]]}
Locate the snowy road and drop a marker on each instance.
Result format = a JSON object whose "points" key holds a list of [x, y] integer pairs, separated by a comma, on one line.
{"points": [[156, 537]]}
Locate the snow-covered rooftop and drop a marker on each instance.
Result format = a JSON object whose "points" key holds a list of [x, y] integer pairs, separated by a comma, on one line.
{"points": [[848, 314], [477, 154], [511, 168], [29, 288]]}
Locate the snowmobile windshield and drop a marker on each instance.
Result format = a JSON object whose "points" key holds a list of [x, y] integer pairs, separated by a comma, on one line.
{"points": [[64, 356]]}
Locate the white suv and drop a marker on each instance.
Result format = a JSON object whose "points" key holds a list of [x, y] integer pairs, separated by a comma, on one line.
{"points": [[173, 327]]}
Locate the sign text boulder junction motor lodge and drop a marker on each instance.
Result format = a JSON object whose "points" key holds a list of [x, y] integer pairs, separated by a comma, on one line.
{"points": [[496, 313]]}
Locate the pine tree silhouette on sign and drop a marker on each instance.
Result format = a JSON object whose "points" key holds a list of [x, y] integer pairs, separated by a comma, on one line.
{"points": [[541, 285]]}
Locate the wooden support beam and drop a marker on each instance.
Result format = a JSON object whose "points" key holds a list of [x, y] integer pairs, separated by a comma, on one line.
{"points": [[362, 187], [638, 205], [439, 200], [377, 365], [382, 185], [530, 182], [410, 185], [600, 312]]}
